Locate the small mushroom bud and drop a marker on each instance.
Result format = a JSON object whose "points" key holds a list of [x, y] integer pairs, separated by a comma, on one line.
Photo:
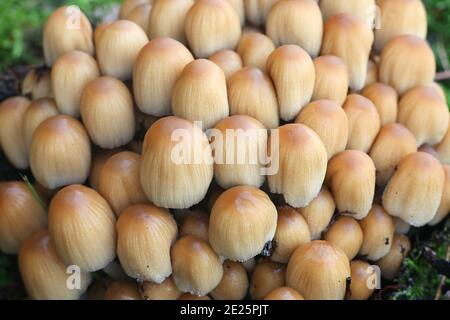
{"points": [[385, 100], [392, 143], [363, 122], [13, 143], [152, 91], [345, 234], [425, 114], [176, 164], [398, 18], [318, 271], [415, 190], [246, 215], [118, 46], [122, 290], [145, 234], [119, 181], [444, 206], [227, 60], [318, 213], [292, 231], [359, 285], [38, 111], [98, 161], [60, 152], [107, 112], [188, 296], [44, 274], [140, 15], [70, 74], [329, 121], [167, 19], [363, 9], [20, 215], [284, 293], [234, 283], [254, 49], [398, 65], [212, 25], [296, 22], [293, 74], [129, 5], [351, 178], [195, 223], [202, 83], [378, 229], [302, 165], [66, 29], [390, 264], [237, 158], [349, 38], [251, 92], [256, 11], [196, 267], [372, 73], [266, 277], [74, 213], [331, 80], [167, 290]]}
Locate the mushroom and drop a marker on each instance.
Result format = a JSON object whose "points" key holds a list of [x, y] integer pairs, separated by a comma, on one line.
{"points": [[398, 65], [444, 206], [256, 11], [122, 290], [227, 60], [211, 26], [345, 233], [129, 5], [153, 91], [415, 190], [443, 148], [12, 139], [329, 121], [266, 277], [71, 72], [119, 181], [292, 231], [363, 122], [167, 19], [238, 157], [385, 100], [74, 212], [331, 81], [98, 161], [140, 15], [390, 264], [20, 215], [197, 269], [318, 213], [363, 9], [195, 223], [145, 234], [318, 271], [167, 290], [107, 112], [351, 178], [176, 164], [37, 83], [251, 92], [302, 165], [293, 75], [378, 229], [238, 6], [349, 38], [234, 283], [44, 275], [361, 276], [283, 293], [246, 215], [202, 83], [392, 143], [372, 73], [254, 49], [65, 30], [60, 152]]}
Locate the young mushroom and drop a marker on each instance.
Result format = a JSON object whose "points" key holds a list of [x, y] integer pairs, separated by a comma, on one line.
{"points": [[266, 277], [256, 11], [390, 264], [363, 9], [444, 206], [140, 15], [195, 223], [345, 233], [360, 285], [122, 290], [254, 49], [166, 290], [283, 293], [385, 100], [234, 283]]}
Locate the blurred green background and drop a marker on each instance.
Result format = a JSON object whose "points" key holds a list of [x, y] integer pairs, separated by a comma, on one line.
{"points": [[20, 44]]}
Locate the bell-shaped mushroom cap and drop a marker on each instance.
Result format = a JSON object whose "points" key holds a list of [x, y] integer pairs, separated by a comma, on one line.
{"points": [[248, 217], [415, 190], [227, 60], [390, 264], [234, 283], [385, 100], [266, 277], [254, 49], [361, 275], [345, 233], [318, 271], [363, 9]]}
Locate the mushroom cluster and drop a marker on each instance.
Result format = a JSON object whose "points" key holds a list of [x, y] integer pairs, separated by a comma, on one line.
{"points": [[225, 149]]}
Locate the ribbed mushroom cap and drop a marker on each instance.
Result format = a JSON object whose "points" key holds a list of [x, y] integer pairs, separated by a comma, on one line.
{"points": [[345, 233], [385, 100], [167, 290], [254, 49], [227, 60]]}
